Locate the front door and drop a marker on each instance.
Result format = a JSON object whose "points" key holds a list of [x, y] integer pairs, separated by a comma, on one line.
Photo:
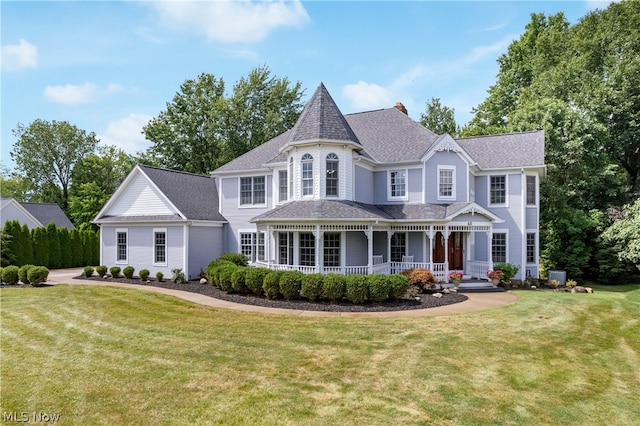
{"points": [[455, 248]]}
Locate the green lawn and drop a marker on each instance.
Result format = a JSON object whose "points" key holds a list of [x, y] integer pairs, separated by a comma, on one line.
{"points": [[101, 355]]}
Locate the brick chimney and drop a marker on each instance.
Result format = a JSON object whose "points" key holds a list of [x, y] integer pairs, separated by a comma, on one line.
{"points": [[401, 108]]}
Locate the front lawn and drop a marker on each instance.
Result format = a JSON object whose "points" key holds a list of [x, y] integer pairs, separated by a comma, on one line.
{"points": [[105, 355]]}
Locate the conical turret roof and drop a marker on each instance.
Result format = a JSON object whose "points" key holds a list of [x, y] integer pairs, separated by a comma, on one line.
{"points": [[322, 120]]}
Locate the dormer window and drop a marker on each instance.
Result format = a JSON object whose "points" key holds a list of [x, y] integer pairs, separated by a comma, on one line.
{"points": [[331, 182], [307, 174]]}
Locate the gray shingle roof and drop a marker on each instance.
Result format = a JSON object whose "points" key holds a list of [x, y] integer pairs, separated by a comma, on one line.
{"points": [[506, 150], [46, 213], [196, 196], [321, 119], [389, 136]]}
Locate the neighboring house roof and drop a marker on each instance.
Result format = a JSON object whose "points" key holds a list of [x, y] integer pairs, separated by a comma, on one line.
{"points": [[47, 213], [195, 197], [37, 214], [321, 120], [314, 210]]}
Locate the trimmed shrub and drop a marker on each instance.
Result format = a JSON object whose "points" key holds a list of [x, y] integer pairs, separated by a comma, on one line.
{"points": [[10, 274], [38, 275], [178, 276], [238, 280], [40, 246], [88, 271], [312, 286], [378, 287], [55, 252], [27, 244], [225, 277], [508, 269], [357, 289], [23, 273], [144, 274], [65, 247], [128, 271], [255, 278], [114, 271], [159, 276], [271, 284], [101, 270], [238, 259], [334, 286], [398, 286], [290, 284], [213, 270], [77, 253]]}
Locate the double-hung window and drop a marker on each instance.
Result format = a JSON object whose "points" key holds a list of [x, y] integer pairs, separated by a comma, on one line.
{"points": [[531, 190], [498, 189], [446, 183], [499, 247], [307, 250], [331, 183], [398, 183], [331, 249], [531, 247], [121, 246], [282, 186], [160, 246], [398, 246], [252, 245], [307, 174], [252, 190]]}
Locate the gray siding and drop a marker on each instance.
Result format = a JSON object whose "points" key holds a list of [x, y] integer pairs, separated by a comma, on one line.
{"points": [[415, 246], [380, 187], [356, 249], [414, 185], [363, 183], [447, 159], [532, 217], [205, 245]]}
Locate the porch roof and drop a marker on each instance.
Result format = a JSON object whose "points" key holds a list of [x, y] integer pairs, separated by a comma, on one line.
{"points": [[340, 210]]}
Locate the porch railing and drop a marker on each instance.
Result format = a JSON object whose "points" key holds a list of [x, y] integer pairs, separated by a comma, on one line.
{"points": [[478, 269]]}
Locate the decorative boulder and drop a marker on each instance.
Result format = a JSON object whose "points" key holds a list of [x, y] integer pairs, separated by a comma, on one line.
{"points": [[438, 295], [203, 280]]}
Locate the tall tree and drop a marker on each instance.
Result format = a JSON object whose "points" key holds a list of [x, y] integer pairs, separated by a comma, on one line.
{"points": [[85, 203], [202, 129], [13, 185], [65, 246], [46, 153], [27, 245], [439, 118], [107, 168], [40, 246], [55, 251]]}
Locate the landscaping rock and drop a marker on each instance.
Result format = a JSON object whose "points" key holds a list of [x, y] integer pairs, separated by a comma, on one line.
{"points": [[203, 280], [438, 295]]}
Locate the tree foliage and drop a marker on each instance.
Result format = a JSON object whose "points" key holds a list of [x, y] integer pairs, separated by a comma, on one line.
{"points": [[40, 240], [201, 129], [55, 251], [439, 118], [46, 153], [624, 234]]}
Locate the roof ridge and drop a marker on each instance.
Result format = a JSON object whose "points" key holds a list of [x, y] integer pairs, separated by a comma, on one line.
{"points": [[499, 134], [163, 169]]}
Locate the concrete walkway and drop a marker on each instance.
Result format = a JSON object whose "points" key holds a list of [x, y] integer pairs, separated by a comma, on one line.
{"points": [[476, 301]]}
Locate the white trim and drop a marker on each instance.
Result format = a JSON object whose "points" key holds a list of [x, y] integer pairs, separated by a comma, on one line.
{"points": [[536, 202], [536, 251], [126, 260], [453, 170], [252, 205], [166, 246], [21, 209], [404, 197]]}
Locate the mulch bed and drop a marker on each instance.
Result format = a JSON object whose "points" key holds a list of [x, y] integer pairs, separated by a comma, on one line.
{"points": [[426, 300]]}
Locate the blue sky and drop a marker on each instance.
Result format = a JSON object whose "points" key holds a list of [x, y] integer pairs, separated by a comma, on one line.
{"points": [[109, 67]]}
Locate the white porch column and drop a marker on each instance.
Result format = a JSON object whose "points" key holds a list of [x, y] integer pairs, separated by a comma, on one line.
{"points": [[430, 234], [267, 243], [319, 257], [389, 235], [489, 251], [369, 234]]}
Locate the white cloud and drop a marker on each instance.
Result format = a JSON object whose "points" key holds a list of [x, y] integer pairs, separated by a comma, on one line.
{"points": [[70, 94], [363, 95], [598, 4], [231, 21], [16, 57], [126, 133]]}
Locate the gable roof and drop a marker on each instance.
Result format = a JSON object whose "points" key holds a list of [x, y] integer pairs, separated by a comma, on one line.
{"points": [[194, 196], [322, 120], [46, 213]]}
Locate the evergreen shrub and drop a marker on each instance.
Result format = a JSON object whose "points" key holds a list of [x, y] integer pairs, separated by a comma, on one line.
{"points": [[290, 284], [225, 275], [398, 286], [114, 271], [159, 276], [334, 286], [38, 275], [88, 271], [271, 284], [144, 274], [101, 270], [128, 272], [10, 274], [312, 286], [255, 278], [238, 280], [356, 289], [378, 287], [23, 273]]}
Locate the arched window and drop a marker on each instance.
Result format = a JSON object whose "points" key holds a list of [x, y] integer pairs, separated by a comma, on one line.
{"points": [[331, 185], [307, 174]]}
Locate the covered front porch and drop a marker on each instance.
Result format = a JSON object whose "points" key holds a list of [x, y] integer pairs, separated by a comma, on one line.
{"points": [[371, 248]]}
